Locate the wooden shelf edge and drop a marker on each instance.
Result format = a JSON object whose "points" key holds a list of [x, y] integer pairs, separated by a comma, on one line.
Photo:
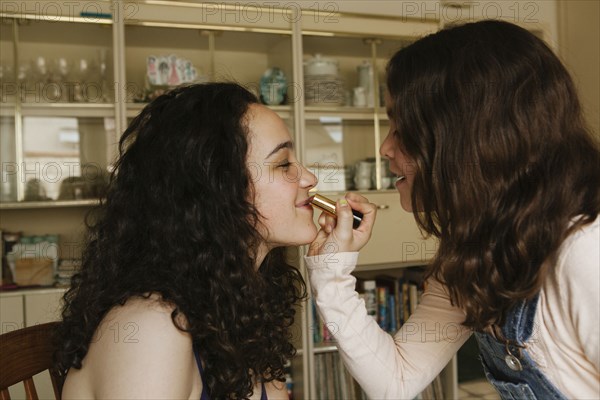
{"points": [[26, 205]]}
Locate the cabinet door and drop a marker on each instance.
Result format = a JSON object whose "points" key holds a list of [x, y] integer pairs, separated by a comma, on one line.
{"points": [[59, 148], [42, 307], [11, 313], [64, 156], [8, 190], [396, 238]]}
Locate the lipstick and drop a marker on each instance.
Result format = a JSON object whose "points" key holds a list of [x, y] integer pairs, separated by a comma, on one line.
{"points": [[328, 206]]}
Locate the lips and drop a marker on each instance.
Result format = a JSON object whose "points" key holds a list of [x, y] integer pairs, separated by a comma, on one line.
{"points": [[305, 202], [399, 177]]}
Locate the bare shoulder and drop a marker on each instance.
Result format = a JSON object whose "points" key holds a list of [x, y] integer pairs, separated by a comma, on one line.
{"points": [[140, 321], [137, 352], [149, 312]]}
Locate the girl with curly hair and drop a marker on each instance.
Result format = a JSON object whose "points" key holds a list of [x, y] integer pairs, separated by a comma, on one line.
{"points": [[494, 159], [184, 290]]}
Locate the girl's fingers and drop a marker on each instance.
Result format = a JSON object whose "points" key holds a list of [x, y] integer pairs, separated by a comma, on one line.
{"points": [[344, 220], [368, 210], [315, 247]]}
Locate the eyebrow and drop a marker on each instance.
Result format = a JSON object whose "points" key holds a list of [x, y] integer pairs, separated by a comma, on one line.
{"points": [[284, 145]]}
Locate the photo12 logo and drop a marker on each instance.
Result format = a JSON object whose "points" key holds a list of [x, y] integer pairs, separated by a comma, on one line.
{"points": [[465, 11], [267, 11], [67, 11]]}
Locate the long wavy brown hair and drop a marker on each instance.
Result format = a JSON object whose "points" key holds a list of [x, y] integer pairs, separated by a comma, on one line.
{"points": [[506, 168]]}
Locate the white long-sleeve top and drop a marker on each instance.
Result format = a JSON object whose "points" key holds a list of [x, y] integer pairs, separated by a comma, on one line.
{"points": [[564, 344]]}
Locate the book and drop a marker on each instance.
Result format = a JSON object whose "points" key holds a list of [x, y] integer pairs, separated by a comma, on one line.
{"points": [[382, 307]]}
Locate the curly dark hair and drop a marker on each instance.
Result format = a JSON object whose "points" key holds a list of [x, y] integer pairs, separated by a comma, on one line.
{"points": [[178, 220], [505, 166]]}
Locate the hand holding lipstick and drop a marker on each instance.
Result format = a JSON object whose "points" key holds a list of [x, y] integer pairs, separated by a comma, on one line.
{"points": [[328, 205], [338, 235]]}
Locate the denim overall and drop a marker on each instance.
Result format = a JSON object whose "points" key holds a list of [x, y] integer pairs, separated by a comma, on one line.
{"points": [[507, 364]]}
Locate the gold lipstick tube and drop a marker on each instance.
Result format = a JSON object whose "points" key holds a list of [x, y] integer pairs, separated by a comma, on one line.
{"points": [[328, 206]]}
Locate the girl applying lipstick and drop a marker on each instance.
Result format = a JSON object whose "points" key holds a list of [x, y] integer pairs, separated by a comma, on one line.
{"points": [[498, 164]]}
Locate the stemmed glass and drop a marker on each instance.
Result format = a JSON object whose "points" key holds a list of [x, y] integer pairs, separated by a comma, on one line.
{"points": [[80, 75], [61, 72], [103, 76]]}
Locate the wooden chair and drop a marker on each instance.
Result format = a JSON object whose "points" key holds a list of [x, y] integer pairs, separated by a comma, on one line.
{"points": [[25, 353]]}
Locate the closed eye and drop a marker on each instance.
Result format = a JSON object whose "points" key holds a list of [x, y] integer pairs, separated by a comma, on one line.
{"points": [[285, 165]]}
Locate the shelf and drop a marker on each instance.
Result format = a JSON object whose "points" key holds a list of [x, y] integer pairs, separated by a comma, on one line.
{"points": [[25, 205], [389, 267], [57, 12], [335, 24], [344, 112], [59, 109], [68, 109], [20, 291], [133, 109], [365, 193]]}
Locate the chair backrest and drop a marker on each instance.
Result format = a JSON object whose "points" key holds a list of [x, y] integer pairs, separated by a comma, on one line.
{"points": [[25, 353]]}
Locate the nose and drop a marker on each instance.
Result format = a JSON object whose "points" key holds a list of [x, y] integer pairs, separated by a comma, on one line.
{"points": [[387, 147], [307, 179]]}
